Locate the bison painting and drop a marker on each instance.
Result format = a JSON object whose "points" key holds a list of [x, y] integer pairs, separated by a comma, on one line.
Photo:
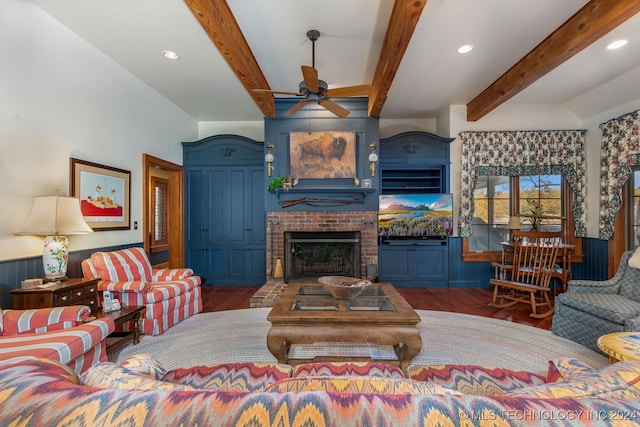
{"points": [[322, 154]]}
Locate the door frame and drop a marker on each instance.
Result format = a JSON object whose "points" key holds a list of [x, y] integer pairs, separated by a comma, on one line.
{"points": [[175, 206]]}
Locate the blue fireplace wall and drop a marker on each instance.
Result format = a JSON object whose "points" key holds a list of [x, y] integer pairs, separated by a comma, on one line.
{"points": [[314, 118]]}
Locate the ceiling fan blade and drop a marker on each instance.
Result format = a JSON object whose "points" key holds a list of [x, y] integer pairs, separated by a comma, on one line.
{"points": [[310, 76], [297, 107], [343, 92], [282, 92], [334, 108]]}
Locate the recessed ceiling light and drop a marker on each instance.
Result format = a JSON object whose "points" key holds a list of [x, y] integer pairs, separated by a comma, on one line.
{"points": [[465, 48], [170, 54], [616, 44]]}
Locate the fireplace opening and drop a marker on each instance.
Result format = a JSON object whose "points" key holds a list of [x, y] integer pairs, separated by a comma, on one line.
{"points": [[311, 255]]}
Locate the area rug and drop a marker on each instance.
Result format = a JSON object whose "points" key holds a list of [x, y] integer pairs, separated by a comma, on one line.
{"points": [[454, 338]]}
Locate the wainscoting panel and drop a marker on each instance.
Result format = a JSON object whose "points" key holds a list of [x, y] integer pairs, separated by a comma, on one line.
{"points": [[594, 265], [466, 274], [14, 271]]}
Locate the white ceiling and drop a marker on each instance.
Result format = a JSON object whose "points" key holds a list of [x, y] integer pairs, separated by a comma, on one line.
{"points": [[432, 74]]}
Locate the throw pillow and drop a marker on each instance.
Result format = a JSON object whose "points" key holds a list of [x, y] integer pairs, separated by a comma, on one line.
{"points": [[362, 385], [566, 369], [634, 261], [619, 381], [110, 375], [145, 365]]}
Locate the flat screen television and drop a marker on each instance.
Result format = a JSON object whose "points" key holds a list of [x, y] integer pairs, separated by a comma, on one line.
{"points": [[415, 216]]}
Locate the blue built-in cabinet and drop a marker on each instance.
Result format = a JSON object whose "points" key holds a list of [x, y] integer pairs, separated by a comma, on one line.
{"points": [[224, 209], [414, 163]]}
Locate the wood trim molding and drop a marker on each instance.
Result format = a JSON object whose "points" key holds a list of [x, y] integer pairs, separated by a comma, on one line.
{"points": [[175, 206], [594, 20], [218, 21], [403, 21], [617, 243]]}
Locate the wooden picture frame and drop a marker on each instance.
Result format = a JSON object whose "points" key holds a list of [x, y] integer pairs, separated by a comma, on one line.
{"points": [[104, 193], [322, 154]]}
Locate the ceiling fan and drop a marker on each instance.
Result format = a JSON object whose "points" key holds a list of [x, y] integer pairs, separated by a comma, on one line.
{"points": [[316, 90]]}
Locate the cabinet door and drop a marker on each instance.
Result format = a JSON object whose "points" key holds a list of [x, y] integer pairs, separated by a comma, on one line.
{"points": [[194, 206], [431, 265], [394, 264], [414, 265]]}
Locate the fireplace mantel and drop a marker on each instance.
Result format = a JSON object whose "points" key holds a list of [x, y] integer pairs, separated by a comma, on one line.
{"points": [[322, 195]]}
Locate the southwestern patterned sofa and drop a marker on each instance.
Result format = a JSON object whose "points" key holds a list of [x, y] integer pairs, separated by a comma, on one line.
{"points": [[59, 334], [139, 392], [168, 295]]}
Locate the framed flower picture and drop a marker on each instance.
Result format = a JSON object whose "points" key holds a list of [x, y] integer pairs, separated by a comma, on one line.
{"points": [[104, 194]]}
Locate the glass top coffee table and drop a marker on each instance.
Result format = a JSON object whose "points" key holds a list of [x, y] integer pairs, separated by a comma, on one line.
{"points": [[306, 313]]}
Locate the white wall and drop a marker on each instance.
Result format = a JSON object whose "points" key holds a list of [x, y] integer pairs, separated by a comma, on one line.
{"points": [[60, 98], [253, 130]]}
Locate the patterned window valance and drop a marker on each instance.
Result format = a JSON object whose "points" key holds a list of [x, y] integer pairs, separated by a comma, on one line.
{"points": [[620, 150], [511, 153]]}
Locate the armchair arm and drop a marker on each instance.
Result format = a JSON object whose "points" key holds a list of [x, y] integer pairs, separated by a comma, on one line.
{"points": [[632, 325], [133, 286], [610, 286], [501, 270], [169, 274], [40, 320]]}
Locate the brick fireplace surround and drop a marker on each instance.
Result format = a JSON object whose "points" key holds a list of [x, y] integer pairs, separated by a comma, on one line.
{"points": [[303, 221]]}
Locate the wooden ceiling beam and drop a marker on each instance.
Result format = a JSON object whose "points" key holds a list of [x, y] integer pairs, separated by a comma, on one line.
{"points": [[403, 21], [218, 21], [594, 20]]}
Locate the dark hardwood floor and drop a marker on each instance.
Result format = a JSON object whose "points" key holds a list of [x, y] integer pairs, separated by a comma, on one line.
{"points": [[459, 300]]}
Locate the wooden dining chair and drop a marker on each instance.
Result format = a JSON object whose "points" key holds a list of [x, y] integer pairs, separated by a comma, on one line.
{"points": [[527, 278]]}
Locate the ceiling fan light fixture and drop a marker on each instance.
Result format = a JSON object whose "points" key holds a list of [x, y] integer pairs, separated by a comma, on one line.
{"points": [[616, 44], [170, 54], [465, 48]]}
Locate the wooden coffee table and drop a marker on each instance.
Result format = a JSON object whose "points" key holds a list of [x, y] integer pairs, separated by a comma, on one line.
{"points": [[621, 346], [306, 313]]}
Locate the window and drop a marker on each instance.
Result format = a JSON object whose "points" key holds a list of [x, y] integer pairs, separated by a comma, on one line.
{"points": [[159, 216], [632, 190], [541, 201], [491, 213]]}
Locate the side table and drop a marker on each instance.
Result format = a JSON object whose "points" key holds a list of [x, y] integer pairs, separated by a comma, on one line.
{"points": [[621, 346], [119, 339], [69, 292]]}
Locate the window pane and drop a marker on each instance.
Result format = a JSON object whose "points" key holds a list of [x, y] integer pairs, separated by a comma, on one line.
{"points": [[481, 211], [491, 213], [540, 202]]}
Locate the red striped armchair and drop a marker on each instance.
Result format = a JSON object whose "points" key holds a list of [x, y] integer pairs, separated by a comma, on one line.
{"points": [[60, 333], [168, 295]]}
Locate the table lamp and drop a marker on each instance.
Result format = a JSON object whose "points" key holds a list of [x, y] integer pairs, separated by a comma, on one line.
{"points": [[55, 217], [513, 224]]}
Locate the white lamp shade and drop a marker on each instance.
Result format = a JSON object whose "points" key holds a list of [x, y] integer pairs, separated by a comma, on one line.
{"points": [[52, 215], [514, 223]]}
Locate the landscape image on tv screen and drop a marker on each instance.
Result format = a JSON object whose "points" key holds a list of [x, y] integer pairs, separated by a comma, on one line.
{"points": [[415, 215]]}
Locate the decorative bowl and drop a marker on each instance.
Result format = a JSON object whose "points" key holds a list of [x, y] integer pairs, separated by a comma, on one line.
{"points": [[343, 287]]}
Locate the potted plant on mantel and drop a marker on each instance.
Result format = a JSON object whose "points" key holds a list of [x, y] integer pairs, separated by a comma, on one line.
{"points": [[278, 182]]}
